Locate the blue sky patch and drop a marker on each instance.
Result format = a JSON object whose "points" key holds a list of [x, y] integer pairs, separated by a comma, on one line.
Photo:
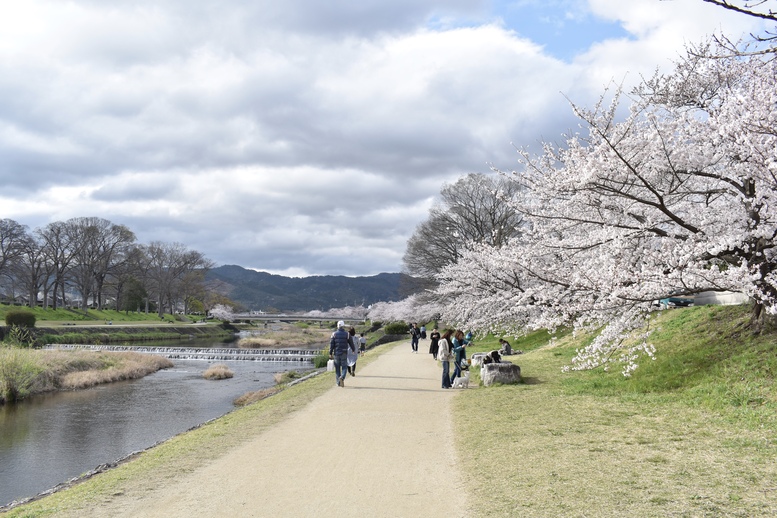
{"points": [[564, 28]]}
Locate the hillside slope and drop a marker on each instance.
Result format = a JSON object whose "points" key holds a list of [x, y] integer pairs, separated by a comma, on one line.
{"points": [[264, 291]]}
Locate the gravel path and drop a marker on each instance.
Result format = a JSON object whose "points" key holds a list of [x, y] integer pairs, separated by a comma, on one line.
{"points": [[382, 446]]}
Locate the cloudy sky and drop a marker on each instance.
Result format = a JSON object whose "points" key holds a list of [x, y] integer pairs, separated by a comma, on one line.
{"points": [[300, 137]]}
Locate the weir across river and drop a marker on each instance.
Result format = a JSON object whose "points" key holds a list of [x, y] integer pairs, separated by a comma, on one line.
{"points": [[210, 354]]}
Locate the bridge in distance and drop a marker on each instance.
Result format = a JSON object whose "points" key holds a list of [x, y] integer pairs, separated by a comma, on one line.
{"points": [[264, 317]]}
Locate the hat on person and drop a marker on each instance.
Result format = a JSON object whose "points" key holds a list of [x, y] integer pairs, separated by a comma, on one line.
{"points": [[341, 324]]}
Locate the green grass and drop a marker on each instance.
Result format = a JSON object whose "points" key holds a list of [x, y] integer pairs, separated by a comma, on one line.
{"points": [[692, 433], [94, 316]]}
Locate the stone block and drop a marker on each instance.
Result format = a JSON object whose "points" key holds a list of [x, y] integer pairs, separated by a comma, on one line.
{"points": [[504, 372]]}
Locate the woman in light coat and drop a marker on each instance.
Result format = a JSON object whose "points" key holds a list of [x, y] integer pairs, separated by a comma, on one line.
{"points": [[353, 352]]}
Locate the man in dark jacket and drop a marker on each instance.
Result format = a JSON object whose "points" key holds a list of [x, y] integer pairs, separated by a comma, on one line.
{"points": [[414, 335], [338, 350]]}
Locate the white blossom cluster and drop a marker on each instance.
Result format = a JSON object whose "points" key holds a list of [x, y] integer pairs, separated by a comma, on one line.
{"points": [[349, 312], [222, 312], [415, 308], [676, 198]]}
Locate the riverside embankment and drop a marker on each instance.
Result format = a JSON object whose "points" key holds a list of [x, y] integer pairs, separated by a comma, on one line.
{"points": [[380, 446], [49, 439], [691, 433], [122, 332]]}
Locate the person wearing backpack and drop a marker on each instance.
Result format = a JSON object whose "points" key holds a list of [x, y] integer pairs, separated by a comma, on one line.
{"points": [[339, 345], [445, 355]]}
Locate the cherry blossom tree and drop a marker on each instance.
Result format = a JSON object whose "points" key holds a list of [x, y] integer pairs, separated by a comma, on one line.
{"points": [[414, 308], [222, 312], [676, 198]]}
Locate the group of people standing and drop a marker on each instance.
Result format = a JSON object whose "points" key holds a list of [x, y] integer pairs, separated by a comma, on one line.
{"points": [[345, 348], [448, 347], [452, 345], [416, 333]]}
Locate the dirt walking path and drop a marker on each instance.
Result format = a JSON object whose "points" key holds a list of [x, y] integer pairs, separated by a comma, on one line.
{"points": [[381, 446]]}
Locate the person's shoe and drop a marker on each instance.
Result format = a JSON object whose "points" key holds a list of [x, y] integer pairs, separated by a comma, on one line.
{"points": [[342, 382]]}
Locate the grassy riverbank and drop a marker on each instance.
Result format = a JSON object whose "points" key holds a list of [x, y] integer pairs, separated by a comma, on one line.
{"points": [[693, 433], [184, 453], [26, 372], [127, 335], [63, 316]]}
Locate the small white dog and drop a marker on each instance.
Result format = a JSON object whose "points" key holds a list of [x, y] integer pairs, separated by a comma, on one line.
{"points": [[461, 381]]}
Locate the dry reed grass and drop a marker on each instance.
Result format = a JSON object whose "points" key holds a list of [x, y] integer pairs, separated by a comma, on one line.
{"points": [[286, 338], [218, 372], [69, 370], [120, 366], [253, 397]]}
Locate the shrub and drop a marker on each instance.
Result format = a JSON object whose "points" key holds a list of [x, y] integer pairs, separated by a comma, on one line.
{"points": [[17, 374], [320, 361], [396, 328], [218, 372], [20, 318], [19, 336]]}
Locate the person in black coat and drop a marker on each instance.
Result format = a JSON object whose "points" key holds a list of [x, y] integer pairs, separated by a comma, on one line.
{"points": [[433, 347]]}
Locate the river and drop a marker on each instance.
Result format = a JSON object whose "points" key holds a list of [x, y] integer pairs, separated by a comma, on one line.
{"points": [[52, 438]]}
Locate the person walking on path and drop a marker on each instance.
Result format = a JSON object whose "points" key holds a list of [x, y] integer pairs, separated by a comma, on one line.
{"points": [[414, 335], [353, 353], [264, 469], [339, 345], [362, 344], [445, 355], [435, 337]]}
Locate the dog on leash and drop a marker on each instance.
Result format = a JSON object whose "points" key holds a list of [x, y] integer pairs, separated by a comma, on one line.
{"points": [[461, 381]]}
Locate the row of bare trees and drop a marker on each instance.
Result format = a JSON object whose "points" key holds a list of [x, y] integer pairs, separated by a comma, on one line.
{"points": [[102, 263]]}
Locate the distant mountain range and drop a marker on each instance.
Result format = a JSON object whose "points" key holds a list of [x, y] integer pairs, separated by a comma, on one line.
{"points": [[261, 291]]}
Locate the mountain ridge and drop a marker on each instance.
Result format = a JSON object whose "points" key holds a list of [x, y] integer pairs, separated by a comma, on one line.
{"points": [[262, 291]]}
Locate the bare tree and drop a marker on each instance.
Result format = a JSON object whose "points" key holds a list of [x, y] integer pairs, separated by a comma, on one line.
{"points": [[166, 265], [124, 281], [30, 270], [13, 239], [59, 244], [472, 210], [756, 8], [103, 244], [191, 289]]}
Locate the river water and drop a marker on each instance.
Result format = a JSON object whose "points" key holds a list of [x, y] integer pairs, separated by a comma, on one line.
{"points": [[52, 438]]}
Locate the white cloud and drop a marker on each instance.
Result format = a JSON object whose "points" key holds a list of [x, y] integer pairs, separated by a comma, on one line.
{"points": [[264, 134]]}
